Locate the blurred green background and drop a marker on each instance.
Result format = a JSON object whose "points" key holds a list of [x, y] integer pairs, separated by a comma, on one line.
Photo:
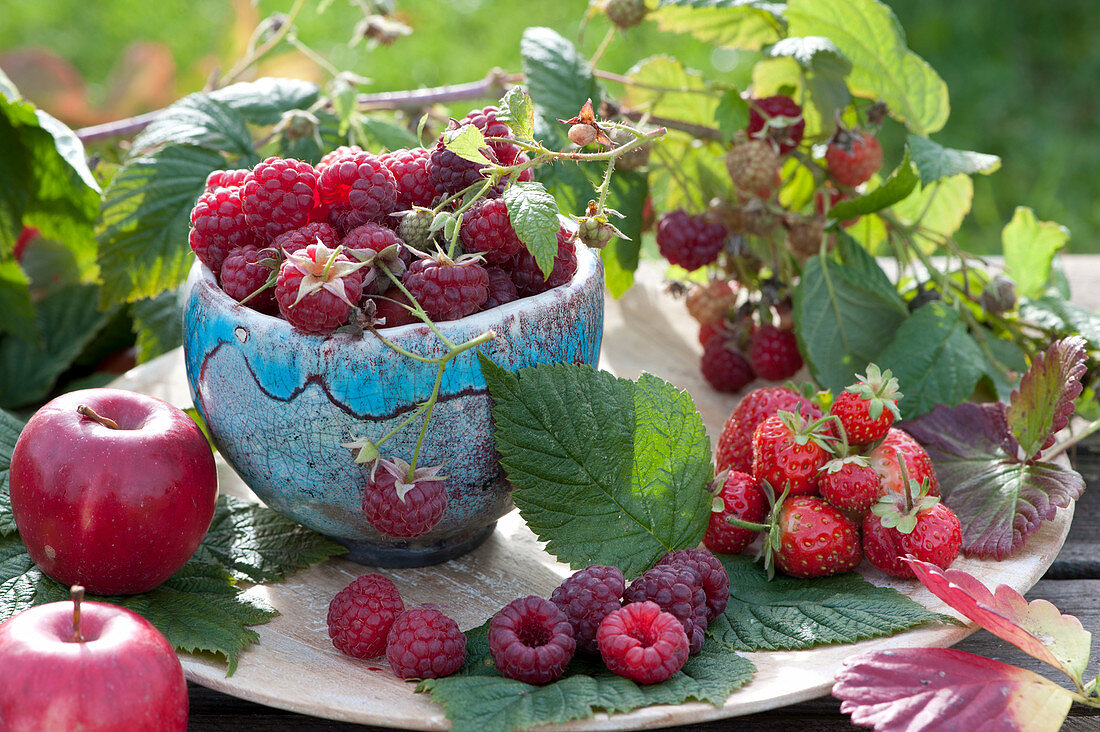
{"points": [[1023, 75]]}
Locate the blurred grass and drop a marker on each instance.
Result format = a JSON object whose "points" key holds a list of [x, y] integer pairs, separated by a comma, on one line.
{"points": [[1023, 75]]}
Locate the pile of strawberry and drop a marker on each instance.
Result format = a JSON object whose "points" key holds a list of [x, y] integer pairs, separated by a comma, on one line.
{"points": [[644, 630], [829, 489], [313, 244], [753, 245]]}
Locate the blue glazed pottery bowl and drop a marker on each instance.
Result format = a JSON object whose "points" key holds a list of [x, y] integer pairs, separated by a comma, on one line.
{"points": [[279, 403]]}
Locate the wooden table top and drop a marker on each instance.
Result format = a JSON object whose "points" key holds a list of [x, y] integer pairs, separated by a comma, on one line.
{"points": [[1072, 583]]}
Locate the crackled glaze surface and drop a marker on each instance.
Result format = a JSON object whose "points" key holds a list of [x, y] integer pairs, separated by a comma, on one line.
{"points": [[279, 403]]}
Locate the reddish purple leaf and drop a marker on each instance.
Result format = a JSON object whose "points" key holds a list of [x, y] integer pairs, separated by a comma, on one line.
{"points": [[1036, 628], [1044, 402], [999, 500], [924, 689]]}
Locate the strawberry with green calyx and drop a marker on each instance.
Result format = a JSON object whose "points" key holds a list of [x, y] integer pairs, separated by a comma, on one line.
{"points": [[789, 450], [741, 496], [896, 451], [806, 537], [868, 408], [850, 483], [915, 523]]}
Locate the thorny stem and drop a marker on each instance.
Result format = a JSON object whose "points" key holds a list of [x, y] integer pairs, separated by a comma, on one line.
{"points": [[429, 406], [608, 37], [417, 310]]}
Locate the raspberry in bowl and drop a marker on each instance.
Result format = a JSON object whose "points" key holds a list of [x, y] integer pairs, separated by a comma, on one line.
{"points": [[282, 402]]}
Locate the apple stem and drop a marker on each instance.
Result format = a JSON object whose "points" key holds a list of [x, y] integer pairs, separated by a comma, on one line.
{"points": [[85, 411], [77, 593]]}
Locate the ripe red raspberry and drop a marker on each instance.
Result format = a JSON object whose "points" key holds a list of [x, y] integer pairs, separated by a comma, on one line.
{"points": [[402, 505], [341, 152], [678, 590], [741, 498], [531, 640], [487, 229], [725, 368], [279, 195], [771, 117], [625, 13], [448, 172], [302, 237], [853, 157], [716, 583], [643, 643], [447, 290], [710, 330], [530, 280], [753, 166], [586, 598], [410, 170], [486, 120], [371, 236], [218, 226], [425, 644], [360, 615], [317, 288], [774, 354], [501, 288], [689, 241], [241, 277], [357, 188], [226, 179], [712, 302], [388, 309], [735, 443]]}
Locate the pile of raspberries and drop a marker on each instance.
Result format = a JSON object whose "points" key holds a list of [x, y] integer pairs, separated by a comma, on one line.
{"points": [[306, 243], [643, 631]]}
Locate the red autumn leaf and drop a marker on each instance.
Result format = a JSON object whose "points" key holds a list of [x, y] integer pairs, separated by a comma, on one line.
{"points": [[923, 689], [1036, 628]]}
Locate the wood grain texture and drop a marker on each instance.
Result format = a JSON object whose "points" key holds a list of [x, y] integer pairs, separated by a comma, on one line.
{"points": [[295, 667]]}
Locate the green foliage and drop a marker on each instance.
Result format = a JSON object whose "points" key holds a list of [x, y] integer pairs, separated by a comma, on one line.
{"points": [[479, 699], [896, 188], [605, 470], [10, 427], [1029, 247], [786, 613], [534, 215], [935, 162]]}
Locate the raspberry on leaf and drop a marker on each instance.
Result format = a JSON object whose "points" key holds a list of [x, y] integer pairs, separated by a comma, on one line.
{"points": [[643, 643], [531, 640], [586, 598]]}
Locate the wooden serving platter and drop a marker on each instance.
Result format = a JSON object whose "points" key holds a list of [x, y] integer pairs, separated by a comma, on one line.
{"points": [[295, 667]]}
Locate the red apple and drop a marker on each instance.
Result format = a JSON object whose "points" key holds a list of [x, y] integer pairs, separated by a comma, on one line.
{"points": [[112, 489], [88, 666]]}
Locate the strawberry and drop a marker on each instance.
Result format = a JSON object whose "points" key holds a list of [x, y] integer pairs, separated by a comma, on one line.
{"points": [[735, 444], [886, 462], [849, 483], [788, 450], [869, 407], [814, 539], [914, 523], [741, 497]]}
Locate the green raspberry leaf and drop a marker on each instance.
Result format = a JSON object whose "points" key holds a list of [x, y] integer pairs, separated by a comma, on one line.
{"points": [[10, 427], [605, 470], [44, 179], [1029, 248], [145, 220], [534, 215], [197, 120], [467, 142], [559, 78], [257, 544], [731, 114], [262, 102], [935, 357], [479, 699], [883, 67], [813, 53], [787, 613], [518, 112], [1044, 402], [896, 188], [935, 162], [747, 24], [68, 320], [1060, 316], [844, 314], [158, 322], [15, 302]]}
